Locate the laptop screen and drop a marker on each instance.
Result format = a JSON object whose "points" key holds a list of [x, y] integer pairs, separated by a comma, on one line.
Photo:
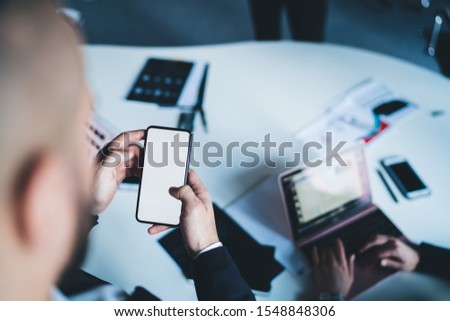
{"points": [[317, 197]]}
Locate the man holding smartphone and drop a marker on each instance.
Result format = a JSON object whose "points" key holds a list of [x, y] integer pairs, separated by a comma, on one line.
{"points": [[215, 274], [49, 188]]}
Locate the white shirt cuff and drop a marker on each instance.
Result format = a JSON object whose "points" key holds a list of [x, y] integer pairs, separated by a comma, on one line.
{"points": [[209, 248]]}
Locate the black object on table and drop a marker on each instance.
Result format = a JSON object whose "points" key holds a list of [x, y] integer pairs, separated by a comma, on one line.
{"points": [[161, 82], [256, 262]]}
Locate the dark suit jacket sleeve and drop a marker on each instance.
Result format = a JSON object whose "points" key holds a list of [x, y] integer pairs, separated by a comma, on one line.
{"points": [[217, 278], [434, 260]]}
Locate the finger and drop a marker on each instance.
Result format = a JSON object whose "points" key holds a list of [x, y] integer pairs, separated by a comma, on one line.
{"points": [[391, 264], [339, 252], [374, 241], [326, 257], [132, 136], [351, 265], [123, 140], [315, 256], [184, 193], [132, 153], [198, 187], [134, 163], [135, 149], [387, 250], [126, 137], [155, 229], [391, 253]]}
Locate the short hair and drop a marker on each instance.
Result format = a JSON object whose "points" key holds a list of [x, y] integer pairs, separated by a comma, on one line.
{"points": [[40, 81]]}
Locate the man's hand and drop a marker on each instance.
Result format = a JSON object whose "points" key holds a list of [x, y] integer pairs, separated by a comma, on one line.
{"points": [[332, 271], [390, 252], [197, 221], [115, 162]]}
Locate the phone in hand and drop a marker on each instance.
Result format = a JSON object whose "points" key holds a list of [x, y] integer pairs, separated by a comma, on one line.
{"points": [[404, 177], [166, 164]]}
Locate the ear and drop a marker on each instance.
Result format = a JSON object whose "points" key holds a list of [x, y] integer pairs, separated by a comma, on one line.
{"points": [[47, 211]]}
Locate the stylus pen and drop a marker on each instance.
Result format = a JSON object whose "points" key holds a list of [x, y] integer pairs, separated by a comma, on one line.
{"points": [[203, 117], [387, 186], [201, 94]]}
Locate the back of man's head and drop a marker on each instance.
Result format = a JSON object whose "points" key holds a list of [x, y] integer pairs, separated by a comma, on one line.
{"points": [[39, 77], [41, 92]]}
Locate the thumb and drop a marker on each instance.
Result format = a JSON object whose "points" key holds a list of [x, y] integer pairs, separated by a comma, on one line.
{"points": [[184, 193]]}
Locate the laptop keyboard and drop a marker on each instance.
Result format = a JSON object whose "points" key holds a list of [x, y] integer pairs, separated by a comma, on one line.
{"points": [[355, 234]]}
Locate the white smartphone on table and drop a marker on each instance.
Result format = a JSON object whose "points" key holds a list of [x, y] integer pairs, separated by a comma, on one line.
{"points": [[166, 164]]}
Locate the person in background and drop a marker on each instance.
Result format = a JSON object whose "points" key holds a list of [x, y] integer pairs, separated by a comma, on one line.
{"points": [[307, 18], [333, 272], [49, 186]]}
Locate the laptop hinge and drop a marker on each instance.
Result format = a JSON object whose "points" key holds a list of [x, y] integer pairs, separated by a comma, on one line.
{"points": [[332, 228]]}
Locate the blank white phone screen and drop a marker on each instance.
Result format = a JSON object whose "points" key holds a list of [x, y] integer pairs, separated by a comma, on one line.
{"points": [[165, 165]]}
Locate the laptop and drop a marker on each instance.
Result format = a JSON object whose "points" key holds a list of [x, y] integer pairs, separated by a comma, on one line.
{"points": [[325, 203]]}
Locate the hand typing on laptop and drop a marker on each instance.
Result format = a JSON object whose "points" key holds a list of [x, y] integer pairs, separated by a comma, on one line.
{"points": [[390, 252], [395, 254], [333, 272]]}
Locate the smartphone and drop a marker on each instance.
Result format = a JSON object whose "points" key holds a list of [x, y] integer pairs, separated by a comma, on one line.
{"points": [[404, 177], [166, 164]]}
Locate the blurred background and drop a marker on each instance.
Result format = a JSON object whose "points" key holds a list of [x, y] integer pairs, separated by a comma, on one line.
{"points": [[400, 28]]}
